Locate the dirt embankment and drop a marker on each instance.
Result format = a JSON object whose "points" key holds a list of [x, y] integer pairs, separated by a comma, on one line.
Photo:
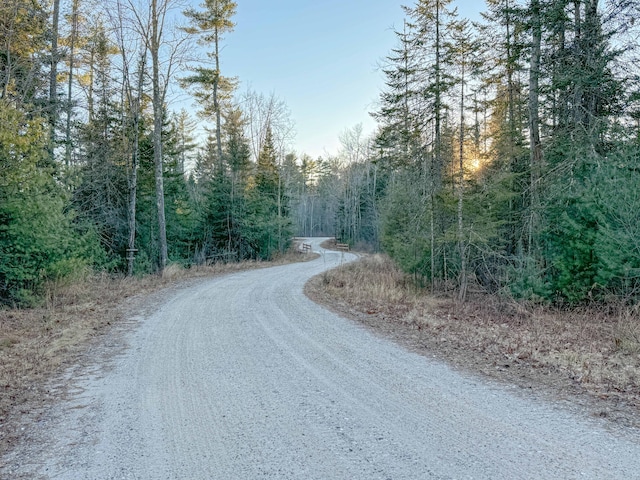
{"points": [[589, 357]]}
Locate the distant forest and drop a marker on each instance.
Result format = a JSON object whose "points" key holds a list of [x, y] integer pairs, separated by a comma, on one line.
{"points": [[507, 154]]}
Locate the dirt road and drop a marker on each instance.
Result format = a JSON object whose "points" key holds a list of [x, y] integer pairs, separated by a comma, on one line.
{"points": [[243, 377]]}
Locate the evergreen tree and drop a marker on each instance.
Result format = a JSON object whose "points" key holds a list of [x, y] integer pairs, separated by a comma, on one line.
{"points": [[210, 24], [180, 210], [268, 230], [239, 166], [101, 194], [40, 240], [185, 141], [507, 117], [213, 190], [267, 177], [585, 96], [422, 84], [23, 27], [401, 114]]}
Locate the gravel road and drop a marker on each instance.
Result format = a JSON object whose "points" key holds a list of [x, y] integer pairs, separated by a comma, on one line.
{"points": [[243, 377]]}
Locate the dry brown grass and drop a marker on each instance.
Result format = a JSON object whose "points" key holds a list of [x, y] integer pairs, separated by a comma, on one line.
{"points": [[594, 350], [37, 344], [373, 285]]}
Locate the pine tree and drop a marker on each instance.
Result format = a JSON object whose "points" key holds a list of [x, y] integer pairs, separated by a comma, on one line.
{"points": [[507, 121], [464, 47], [268, 228], [267, 176], [22, 43], [210, 24], [401, 113], [585, 93], [53, 76], [180, 210], [40, 240], [101, 194], [535, 145], [428, 83], [72, 42], [238, 159], [186, 142]]}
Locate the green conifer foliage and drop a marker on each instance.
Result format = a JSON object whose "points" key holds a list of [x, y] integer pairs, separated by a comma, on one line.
{"points": [[39, 240], [268, 229]]}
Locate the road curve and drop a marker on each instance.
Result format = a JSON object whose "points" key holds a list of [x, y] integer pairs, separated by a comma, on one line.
{"points": [[243, 377]]}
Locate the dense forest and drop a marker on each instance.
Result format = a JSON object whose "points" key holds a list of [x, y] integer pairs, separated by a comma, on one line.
{"points": [[97, 173], [507, 154]]}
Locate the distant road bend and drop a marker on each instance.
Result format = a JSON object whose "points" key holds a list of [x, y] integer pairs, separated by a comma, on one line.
{"points": [[243, 377]]}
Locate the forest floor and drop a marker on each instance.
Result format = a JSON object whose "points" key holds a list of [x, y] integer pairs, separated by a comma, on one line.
{"points": [[39, 344], [588, 357]]}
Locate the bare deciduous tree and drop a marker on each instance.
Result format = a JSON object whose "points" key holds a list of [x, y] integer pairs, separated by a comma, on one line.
{"points": [[166, 47]]}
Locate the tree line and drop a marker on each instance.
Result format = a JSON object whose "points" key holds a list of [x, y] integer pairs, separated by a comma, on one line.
{"points": [[508, 151], [506, 155], [98, 173]]}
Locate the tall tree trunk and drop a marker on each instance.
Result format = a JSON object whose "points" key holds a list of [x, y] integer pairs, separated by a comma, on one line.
{"points": [[438, 104], [53, 76], [90, 100], [72, 42], [279, 205], [133, 175], [561, 97], [535, 148], [158, 117], [436, 173], [432, 241], [462, 292], [511, 87], [579, 114], [511, 107], [216, 100], [405, 103]]}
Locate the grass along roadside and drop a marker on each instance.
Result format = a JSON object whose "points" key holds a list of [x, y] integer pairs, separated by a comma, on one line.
{"points": [[37, 345], [591, 356]]}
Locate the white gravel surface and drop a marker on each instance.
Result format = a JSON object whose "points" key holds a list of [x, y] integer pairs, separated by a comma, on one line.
{"points": [[243, 377]]}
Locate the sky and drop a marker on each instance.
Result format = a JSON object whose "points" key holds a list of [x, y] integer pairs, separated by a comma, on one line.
{"points": [[321, 57]]}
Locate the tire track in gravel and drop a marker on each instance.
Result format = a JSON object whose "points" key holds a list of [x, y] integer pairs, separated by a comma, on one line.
{"points": [[243, 377]]}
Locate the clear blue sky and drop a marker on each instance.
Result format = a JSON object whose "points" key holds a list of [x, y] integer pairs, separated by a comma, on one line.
{"points": [[320, 57]]}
